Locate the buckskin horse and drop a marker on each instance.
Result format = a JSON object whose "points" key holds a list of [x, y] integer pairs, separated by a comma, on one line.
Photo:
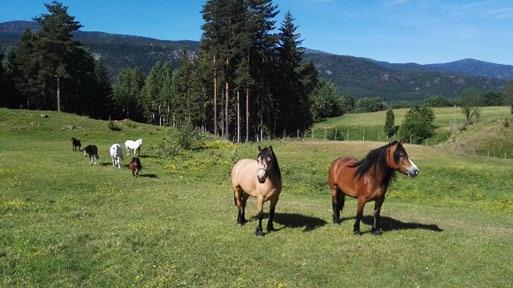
{"points": [[260, 178], [367, 180]]}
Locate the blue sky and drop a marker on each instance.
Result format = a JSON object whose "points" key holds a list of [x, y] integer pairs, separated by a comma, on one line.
{"points": [[422, 31]]}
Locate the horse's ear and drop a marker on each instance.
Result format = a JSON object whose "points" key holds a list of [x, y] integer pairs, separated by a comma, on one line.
{"points": [[271, 148], [259, 148]]}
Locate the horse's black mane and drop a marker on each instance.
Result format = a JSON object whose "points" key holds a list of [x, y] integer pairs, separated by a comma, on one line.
{"points": [[274, 160], [378, 158]]}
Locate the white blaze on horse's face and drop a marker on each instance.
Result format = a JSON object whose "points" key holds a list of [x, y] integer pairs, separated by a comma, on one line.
{"points": [[413, 170], [262, 170]]}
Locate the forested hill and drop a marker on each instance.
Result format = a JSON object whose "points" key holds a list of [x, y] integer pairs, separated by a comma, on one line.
{"points": [[360, 77], [357, 77], [116, 51]]}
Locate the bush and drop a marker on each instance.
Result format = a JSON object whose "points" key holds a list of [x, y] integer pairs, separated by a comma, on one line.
{"points": [[188, 138], [369, 104], [325, 101], [114, 126], [417, 125]]}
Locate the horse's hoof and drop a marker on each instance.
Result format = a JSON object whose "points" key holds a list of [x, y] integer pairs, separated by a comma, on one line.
{"points": [[336, 221], [259, 233], [357, 232], [270, 229], [377, 231]]}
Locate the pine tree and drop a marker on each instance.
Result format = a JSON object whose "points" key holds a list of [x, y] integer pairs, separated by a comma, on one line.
{"points": [[183, 96], [57, 56], [22, 66], [296, 80], [127, 92], [389, 128], [153, 99], [104, 106]]}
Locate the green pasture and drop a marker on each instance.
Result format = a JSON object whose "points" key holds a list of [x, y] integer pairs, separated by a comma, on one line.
{"points": [[369, 126], [64, 223]]}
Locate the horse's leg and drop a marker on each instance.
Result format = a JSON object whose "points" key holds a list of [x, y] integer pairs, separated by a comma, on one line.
{"points": [[359, 215], [272, 208], [376, 230], [238, 200], [260, 211], [244, 199], [338, 200]]}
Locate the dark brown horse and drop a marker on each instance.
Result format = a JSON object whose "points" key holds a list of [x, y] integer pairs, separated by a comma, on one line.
{"points": [[76, 144], [367, 180], [135, 166], [260, 178]]}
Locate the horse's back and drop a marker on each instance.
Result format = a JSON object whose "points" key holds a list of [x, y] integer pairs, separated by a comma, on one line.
{"points": [[341, 174], [115, 150], [244, 174]]}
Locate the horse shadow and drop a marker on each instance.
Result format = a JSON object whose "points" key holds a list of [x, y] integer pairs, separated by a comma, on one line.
{"points": [[148, 156], [106, 163], [391, 224], [148, 175], [292, 220]]}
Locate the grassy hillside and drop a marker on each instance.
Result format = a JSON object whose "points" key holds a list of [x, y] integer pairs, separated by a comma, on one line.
{"points": [[371, 125], [66, 223]]}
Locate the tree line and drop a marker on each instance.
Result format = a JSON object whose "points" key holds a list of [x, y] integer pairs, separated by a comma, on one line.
{"points": [[247, 79]]}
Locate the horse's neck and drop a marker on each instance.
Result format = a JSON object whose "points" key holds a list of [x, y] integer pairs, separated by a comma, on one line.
{"points": [[275, 177], [384, 176]]}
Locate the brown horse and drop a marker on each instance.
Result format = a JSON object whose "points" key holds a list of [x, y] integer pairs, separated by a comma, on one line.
{"points": [[260, 178], [367, 180], [135, 166]]}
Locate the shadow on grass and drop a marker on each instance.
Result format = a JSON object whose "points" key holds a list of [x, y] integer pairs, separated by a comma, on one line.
{"points": [[148, 175], [149, 156], [391, 224], [292, 220]]}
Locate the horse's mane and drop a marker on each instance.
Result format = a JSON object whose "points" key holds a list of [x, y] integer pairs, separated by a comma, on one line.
{"points": [[378, 158], [276, 165]]}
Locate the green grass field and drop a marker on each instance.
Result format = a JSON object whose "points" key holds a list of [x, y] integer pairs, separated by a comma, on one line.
{"points": [[64, 223], [369, 126]]}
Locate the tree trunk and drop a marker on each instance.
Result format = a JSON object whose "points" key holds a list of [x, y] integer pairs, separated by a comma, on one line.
{"points": [[215, 97], [238, 116], [226, 114], [247, 114]]}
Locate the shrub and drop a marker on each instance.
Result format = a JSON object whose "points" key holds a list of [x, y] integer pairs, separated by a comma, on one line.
{"points": [[417, 125], [369, 104], [114, 126]]}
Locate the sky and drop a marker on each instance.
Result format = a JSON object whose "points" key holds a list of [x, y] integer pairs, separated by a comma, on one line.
{"points": [[421, 31]]}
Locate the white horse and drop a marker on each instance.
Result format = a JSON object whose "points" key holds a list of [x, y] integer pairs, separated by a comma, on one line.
{"points": [[116, 155], [134, 146]]}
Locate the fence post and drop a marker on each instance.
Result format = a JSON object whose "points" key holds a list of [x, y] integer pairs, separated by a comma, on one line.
{"points": [[347, 135], [325, 134], [336, 132], [363, 135]]}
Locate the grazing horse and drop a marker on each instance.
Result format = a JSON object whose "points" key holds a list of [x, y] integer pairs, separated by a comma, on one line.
{"points": [[76, 144], [134, 146], [367, 180], [260, 178], [92, 152], [135, 166], [116, 155]]}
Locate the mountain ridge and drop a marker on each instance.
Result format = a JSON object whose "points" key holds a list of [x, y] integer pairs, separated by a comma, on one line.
{"points": [[355, 76]]}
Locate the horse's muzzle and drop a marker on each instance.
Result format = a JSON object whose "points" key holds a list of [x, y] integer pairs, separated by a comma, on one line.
{"points": [[413, 172], [261, 175]]}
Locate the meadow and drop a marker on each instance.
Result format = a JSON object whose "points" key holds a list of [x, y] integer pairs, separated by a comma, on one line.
{"points": [[64, 223], [369, 126]]}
